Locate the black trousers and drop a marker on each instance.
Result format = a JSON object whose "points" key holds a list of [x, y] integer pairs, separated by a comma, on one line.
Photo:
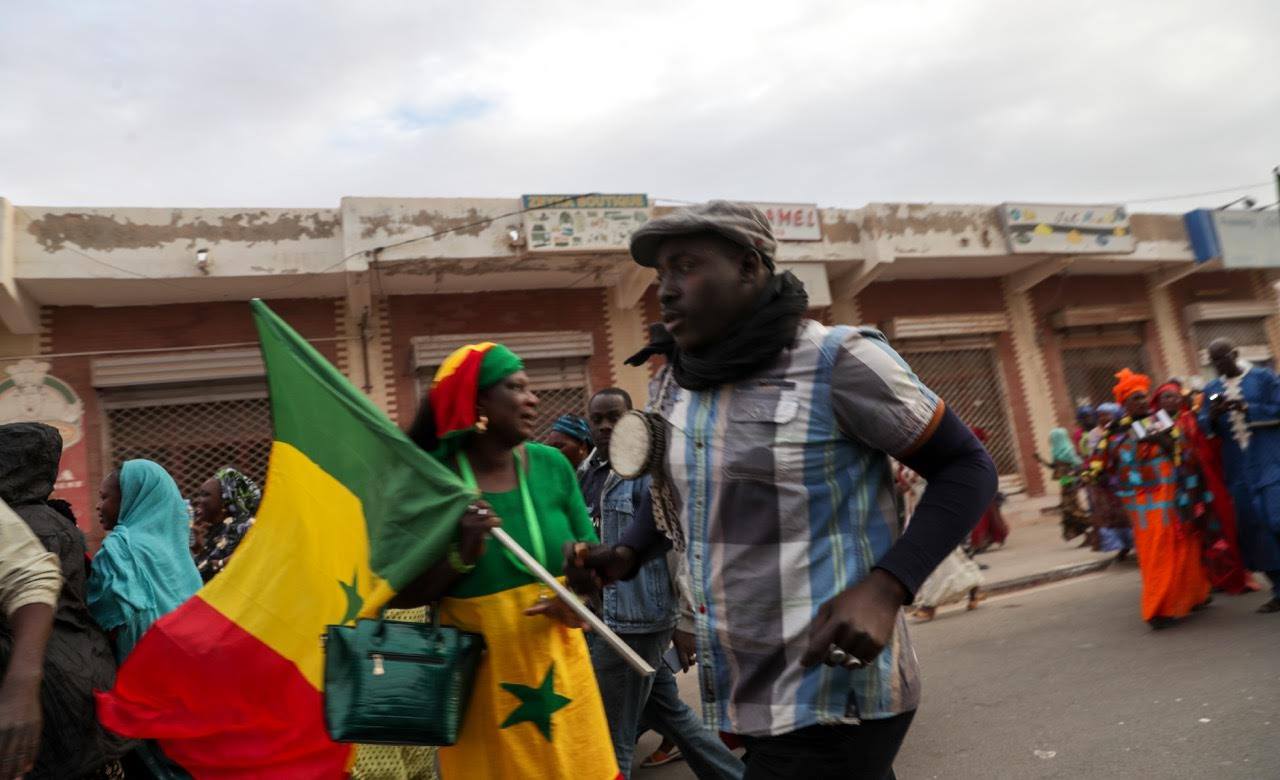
{"points": [[862, 752]]}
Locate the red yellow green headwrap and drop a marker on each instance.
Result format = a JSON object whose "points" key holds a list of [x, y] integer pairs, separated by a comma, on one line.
{"points": [[1128, 383], [460, 379]]}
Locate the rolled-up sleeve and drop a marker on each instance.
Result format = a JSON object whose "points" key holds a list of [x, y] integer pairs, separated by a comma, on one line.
{"points": [[28, 572], [877, 398]]}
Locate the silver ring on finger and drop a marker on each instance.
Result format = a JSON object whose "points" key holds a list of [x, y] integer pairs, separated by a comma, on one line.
{"points": [[853, 662], [837, 656]]}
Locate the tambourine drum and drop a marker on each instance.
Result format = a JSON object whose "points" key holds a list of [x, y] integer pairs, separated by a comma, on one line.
{"points": [[638, 442]]}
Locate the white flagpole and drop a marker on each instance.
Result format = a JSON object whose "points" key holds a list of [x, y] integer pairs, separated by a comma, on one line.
{"points": [[590, 618]]}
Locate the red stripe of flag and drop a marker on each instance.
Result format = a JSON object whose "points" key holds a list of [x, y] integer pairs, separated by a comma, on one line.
{"points": [[211, 718]]}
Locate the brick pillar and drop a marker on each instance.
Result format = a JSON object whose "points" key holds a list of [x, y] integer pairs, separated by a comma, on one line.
{"points": [[627, 336], [364, 325], [1031, 365], [846, 312], [1265, 289], [1170, 339]]}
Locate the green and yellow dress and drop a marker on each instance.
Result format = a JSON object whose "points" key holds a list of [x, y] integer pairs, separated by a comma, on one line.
{"points": [[535, 710]]}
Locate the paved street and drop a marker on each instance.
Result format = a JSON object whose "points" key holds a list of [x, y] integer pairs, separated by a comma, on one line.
{"points": [[1065, 681]]}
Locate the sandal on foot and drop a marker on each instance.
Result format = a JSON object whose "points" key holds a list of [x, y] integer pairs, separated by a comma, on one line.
{"points": [[661, 757]]}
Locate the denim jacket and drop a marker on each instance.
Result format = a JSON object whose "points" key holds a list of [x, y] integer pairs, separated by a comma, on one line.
{"points": [[646, 603]]}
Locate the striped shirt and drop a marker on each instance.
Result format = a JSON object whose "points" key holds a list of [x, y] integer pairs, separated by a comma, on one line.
{"points": [[784, 490]]}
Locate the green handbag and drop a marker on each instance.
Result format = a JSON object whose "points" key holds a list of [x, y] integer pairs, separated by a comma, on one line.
{"points": [[392, 682]]}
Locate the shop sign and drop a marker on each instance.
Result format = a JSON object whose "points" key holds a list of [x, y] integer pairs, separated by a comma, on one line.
{"points": [[592, 222], [1241, 239], [793, 221], [29, 394], [1065, 229]]}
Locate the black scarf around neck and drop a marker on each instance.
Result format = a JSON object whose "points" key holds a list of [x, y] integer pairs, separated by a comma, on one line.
{"points": [[750, 346]]}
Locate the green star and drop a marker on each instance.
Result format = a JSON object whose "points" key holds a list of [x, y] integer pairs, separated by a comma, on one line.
{"points": [[355, 602], [536, 704]]}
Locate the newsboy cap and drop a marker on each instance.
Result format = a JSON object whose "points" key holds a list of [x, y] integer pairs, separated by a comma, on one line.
{"points": [[741, 223]]}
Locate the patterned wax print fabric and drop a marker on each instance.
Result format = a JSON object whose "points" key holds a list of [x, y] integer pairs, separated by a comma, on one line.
{"points": [[535, 710], [240, 499], [1161, 497]]}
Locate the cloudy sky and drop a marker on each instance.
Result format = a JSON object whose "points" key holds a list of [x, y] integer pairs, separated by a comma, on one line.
{"points": [[845, 102]]}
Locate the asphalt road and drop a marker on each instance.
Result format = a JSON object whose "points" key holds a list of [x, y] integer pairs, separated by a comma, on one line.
{"points": [[1065, 681]]}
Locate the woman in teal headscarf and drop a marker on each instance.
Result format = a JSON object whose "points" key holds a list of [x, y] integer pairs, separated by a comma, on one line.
{"points": [[1066, 464], [143, 570]]}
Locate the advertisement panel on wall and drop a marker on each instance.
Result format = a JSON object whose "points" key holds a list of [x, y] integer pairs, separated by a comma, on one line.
{"points": [[585, 223], [29, 394], [1241, 239], [1038, 228], [793, 221]]}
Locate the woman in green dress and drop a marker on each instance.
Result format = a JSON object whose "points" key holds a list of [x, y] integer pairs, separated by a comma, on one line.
{"points": [[534, 710]]}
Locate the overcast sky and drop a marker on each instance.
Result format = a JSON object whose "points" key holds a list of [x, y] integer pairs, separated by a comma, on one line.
{"points": [[840, 103]]}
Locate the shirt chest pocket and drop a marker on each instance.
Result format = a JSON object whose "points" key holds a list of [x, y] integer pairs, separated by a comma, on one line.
{"points": [[764, 426]]}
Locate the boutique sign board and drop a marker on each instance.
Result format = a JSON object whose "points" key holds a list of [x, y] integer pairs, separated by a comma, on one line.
{"points": [[1045, 228], [1240, 239], [569, 223], [793, 221]]}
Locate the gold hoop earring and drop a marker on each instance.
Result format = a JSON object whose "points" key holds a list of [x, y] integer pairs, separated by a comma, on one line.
{"points": [[482, 424]]}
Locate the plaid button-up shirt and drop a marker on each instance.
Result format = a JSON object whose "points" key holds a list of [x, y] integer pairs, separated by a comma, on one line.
{"points": [[783, 487]]}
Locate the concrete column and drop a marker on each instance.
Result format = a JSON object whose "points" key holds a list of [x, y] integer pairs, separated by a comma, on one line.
{"points": [[1031, 364], [18, 313], [627, 335], [846, 311], [365, 330], [1265, 289], [1169, 335]]}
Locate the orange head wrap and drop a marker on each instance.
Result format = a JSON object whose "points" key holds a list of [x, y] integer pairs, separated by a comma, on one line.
{"points": [[1128, 383]]}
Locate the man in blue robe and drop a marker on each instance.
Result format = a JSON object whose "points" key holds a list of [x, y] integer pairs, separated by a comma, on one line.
{"points": [[1242, 408]]}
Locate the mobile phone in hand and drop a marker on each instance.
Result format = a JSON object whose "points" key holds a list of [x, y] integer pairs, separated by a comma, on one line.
{"points": [[672, 659]]}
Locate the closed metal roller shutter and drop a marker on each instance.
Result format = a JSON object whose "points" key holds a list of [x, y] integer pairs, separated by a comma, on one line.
{"points": [[1091, 357], [190, 431], [965, 373]]}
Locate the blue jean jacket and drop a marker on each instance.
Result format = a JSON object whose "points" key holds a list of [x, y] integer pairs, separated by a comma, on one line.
{"points": [[646, 603]]}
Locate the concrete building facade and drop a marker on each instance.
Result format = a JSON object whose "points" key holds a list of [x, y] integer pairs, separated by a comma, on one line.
{"points": [[129, 327]]}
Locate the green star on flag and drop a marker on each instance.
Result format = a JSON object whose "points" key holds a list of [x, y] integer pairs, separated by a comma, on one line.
{"points": [[536, 704], [355, 602]]}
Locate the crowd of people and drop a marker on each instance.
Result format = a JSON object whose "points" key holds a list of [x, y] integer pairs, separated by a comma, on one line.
{"points": [[97, 609], [808, 488], [1188, 479]]}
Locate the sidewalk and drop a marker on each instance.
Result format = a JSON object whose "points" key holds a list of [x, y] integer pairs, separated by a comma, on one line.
{"points": [[1035, 552]]}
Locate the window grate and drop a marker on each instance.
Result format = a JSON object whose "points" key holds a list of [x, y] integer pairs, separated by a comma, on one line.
{"points": [[1091, 371], [193, 440], [969, 381]]}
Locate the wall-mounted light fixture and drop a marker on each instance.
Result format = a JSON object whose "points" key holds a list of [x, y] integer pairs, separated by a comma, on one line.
{"points": [[515, 237], [202, 261]]}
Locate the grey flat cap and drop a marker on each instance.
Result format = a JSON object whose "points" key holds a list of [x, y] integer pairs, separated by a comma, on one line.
{"points": [[741, 223]]}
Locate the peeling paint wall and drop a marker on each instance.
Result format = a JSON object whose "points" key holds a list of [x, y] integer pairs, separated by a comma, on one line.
{"points": [[447, 227], [95, 243]]}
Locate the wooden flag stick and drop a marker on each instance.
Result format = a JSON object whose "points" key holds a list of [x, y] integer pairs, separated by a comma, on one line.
{"points": [[590, 618]]}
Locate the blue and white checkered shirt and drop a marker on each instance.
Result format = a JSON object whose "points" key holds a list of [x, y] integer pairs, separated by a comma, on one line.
{"points": [[784, 491]]}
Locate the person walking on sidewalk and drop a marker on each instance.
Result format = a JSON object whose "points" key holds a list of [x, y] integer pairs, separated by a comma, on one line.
{"points": [[1243, 410], [775, 483], [643, 612], [1151, 473]]}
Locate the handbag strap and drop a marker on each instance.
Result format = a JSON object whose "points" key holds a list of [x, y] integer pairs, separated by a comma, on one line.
{"points": [[534, 528]]}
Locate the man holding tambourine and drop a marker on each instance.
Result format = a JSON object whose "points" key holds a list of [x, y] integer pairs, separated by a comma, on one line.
{"points": [[768, 440]]}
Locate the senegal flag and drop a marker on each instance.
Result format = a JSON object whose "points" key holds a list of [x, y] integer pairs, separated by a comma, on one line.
{"points": [[231, 683]]}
